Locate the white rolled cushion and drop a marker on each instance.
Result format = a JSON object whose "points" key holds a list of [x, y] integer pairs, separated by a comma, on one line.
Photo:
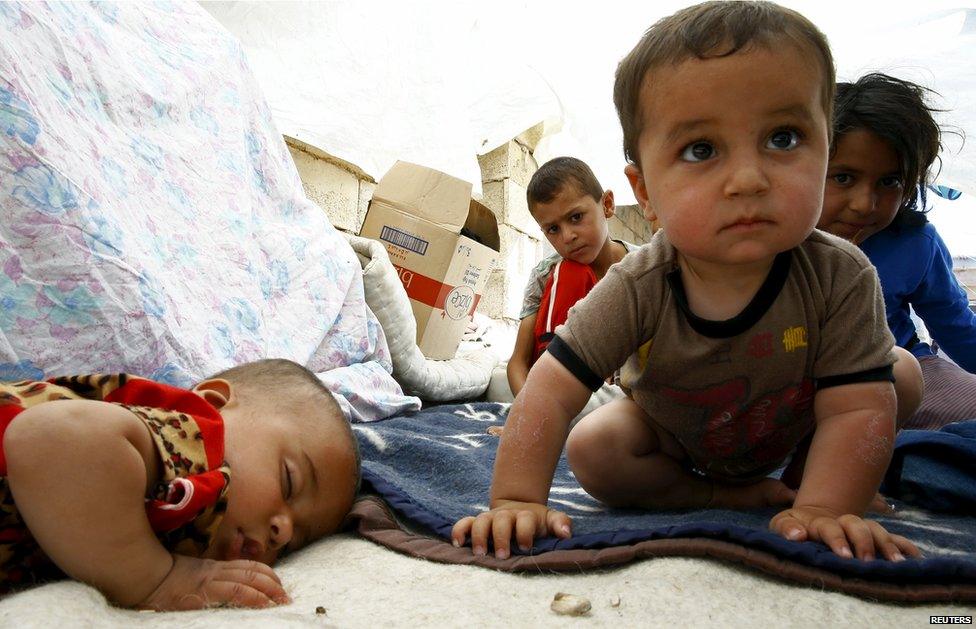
{"points": [[460, 378]]}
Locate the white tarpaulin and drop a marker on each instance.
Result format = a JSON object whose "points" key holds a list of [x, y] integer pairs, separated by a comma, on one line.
{"points": [[437, 83], [153, 220]]}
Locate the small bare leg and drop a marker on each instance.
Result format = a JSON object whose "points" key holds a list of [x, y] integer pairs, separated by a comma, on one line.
{"points": [[767, 492], [909, 385], [621, 458]]}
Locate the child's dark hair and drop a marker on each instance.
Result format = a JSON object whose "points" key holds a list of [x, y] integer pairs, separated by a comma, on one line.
{"points": [[549, 180], [280, 375], [708, 30], [895, 111]]}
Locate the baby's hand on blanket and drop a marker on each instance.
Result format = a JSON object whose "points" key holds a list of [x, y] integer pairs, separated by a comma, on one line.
{"points": [[840, 532], [526, 520], [198, 583]]}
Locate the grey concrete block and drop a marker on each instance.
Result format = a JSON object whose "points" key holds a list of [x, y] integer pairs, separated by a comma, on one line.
{"points": [[492, 302], [503, 296], [530, 137], [332, 188], [509, 161], [620, 231], [506, 199], [366, 189], [629, 215], [519, 253]]}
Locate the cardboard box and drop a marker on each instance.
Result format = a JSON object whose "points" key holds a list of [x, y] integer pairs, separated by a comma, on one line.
{"points": [[443, 245]]}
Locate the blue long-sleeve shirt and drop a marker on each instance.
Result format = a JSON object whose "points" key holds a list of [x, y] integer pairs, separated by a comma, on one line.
{"points": [[915, 268]]}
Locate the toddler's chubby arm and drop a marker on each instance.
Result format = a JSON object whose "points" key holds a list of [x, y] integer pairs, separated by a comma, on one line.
{"points": [[850, 452], [79, 472], [535, 432]]}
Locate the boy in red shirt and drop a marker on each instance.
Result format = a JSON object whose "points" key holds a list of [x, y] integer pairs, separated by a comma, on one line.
{"points": [[572, 209]]}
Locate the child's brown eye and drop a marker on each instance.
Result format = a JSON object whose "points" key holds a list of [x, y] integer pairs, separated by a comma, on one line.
{"points": [[784, 140], [698, 152], [890, 182]]}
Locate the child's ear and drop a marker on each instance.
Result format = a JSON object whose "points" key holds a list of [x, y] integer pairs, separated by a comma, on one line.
{"points": [[636, 179], [608, 205], [216, 391]]}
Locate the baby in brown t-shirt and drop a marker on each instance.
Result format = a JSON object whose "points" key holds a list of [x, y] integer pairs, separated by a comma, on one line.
{"points": [[748, 336]]}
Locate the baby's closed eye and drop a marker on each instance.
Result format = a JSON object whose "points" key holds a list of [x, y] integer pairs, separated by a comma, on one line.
{"points": [[287, 482]]}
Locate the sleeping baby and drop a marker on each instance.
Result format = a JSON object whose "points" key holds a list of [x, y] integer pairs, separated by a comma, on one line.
{"points": [[166, 498]]}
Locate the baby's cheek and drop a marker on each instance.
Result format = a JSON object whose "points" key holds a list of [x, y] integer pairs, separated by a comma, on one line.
{"points": [[807, 199], [811, 185]]}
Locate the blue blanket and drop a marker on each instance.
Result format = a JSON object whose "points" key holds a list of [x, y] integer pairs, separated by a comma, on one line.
{"points": [[434, 467]]}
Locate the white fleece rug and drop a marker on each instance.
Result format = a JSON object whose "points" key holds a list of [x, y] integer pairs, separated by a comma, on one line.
{"points": [[360, 584]]}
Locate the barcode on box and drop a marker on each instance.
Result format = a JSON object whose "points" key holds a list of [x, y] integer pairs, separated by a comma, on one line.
{"points": [[950, 620], [406, 241]]}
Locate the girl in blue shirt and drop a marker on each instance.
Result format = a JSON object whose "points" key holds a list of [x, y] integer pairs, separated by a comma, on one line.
{"points": [[885, 142]]}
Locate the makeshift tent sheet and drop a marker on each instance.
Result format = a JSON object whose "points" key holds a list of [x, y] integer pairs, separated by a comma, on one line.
{"points": [[153, 219], [433, 467]]}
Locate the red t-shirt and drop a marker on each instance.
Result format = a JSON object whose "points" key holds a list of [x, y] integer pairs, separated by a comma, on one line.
{"points": [[184, 508]]}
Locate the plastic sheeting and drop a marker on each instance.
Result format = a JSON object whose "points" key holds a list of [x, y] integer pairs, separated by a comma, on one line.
{"points": [[153, 221], [438, 82]]}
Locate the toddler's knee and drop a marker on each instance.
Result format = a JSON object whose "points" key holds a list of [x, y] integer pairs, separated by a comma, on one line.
{"points": [[582, 446], [591, 454]]}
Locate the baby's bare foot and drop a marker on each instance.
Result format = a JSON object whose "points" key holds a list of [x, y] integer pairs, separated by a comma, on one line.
{"points": [[768, 492]]}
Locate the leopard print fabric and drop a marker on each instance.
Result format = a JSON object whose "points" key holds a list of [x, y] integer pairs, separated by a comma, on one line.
{"points": [[179, 444]]}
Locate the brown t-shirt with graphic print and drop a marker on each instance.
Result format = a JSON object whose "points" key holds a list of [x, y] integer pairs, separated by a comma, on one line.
{"points": [[736, 394]]}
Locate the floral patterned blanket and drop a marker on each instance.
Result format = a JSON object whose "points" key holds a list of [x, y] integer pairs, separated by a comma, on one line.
{"points": [[153, 221]]}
